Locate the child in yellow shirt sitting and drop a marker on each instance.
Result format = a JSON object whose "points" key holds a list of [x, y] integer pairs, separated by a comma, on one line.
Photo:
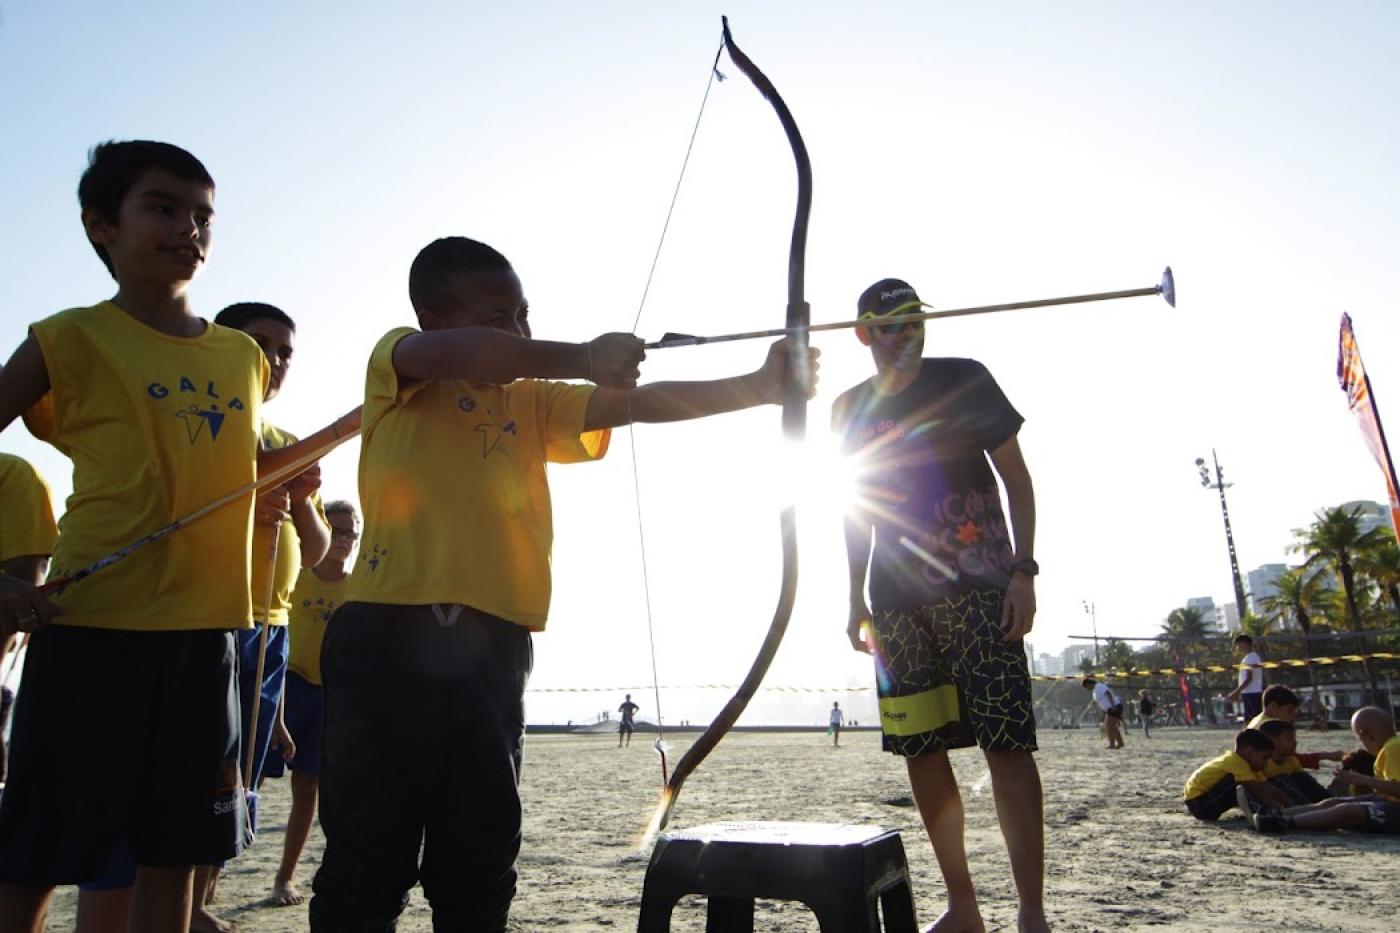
{"points": [[1210, 791], [1375, 813]]}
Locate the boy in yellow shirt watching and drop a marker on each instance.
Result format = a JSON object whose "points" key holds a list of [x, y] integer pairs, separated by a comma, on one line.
{"points": [[158, 409], [433, 648], [1210, 790], [27, 533], [1377, 812], [1279, 703], [1286, 767], [319, 592]]}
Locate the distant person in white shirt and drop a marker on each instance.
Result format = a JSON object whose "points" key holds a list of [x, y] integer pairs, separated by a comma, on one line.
{"points": [[1250, 690], [1112, 706], [837, 719]]}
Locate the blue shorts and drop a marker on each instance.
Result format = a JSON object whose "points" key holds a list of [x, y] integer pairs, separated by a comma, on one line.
{"points": [[274, 672], [305, 714]]}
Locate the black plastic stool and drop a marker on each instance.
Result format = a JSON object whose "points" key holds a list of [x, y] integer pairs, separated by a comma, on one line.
{"points": [[845, 874]]}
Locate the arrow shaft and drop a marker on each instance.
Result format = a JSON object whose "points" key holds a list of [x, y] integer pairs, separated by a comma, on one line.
{"points": [[688, 341]]}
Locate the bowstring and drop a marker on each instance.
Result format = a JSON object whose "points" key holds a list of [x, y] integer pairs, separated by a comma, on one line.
{"points": [[631, 428]]}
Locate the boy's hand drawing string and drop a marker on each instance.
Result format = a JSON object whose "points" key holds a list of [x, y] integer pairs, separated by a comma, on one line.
{"points": [[797, 321]]}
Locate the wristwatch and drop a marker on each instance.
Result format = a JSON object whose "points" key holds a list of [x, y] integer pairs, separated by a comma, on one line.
{"points": [[1026, 565]]}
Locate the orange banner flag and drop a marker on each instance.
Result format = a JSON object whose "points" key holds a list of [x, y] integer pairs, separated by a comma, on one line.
{"points": [[1351, 373]]}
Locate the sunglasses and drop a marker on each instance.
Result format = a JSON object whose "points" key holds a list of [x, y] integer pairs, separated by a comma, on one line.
{"points": [[892, 329]]}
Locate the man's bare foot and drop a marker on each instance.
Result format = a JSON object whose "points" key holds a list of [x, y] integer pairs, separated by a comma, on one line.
{"points": [[285, 894], [202, 921], [963, 921], [1032, 921]]}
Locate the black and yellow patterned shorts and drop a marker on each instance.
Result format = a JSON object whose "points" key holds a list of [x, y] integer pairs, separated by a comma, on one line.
{"points": [[947, 680]]}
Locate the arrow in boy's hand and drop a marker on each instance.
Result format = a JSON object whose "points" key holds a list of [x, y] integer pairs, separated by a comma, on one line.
{"points": [[278, 466]]}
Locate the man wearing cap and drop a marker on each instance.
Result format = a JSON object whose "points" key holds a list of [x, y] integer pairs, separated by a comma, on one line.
{"points": [[952, 585]]}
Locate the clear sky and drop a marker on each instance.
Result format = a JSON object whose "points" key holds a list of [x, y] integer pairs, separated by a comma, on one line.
{"points": [[984, 152]]}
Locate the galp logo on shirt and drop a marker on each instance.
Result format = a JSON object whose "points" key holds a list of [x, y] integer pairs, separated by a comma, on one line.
{"points": [[201, 411]]}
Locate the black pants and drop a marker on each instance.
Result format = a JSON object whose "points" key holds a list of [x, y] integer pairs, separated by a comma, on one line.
{"points": [[1253, 705], [424, 729], [1300, 787]]}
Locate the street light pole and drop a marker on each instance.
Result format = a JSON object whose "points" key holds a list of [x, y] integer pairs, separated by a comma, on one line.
{"points": [[1091, 610], [1221, 485]]}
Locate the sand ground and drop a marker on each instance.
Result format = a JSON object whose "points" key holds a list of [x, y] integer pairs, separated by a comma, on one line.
{"points": [[1121, 852]]}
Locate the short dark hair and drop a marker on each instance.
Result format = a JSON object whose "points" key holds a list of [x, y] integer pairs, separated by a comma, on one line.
{"points": [[1244, 638], [1279, 695], [1276, 727], [1089, 681], [241, 314], [343, 507], [435, 265], [1254, 740], [114, 168]]}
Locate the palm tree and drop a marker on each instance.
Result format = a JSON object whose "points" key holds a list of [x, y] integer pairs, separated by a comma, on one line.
{"points": [[1185, 632], [1299, 596], [1381, 565], [1335, 540], [1257, 626], [1118, 655]]}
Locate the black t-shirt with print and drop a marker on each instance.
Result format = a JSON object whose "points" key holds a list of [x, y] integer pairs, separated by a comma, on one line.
{"points": [[926, 484]]}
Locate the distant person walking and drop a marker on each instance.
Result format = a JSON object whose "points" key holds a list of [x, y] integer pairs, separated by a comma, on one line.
{"points": [[1250, 690], [1112, 707], [1145, 710], [628, 709], [837, 719]]}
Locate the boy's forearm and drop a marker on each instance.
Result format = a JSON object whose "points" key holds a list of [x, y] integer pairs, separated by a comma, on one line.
{"points": [[270, 461], [1020, 503], [1380, 786], [314, 534], [483, 354], [673, 401]]}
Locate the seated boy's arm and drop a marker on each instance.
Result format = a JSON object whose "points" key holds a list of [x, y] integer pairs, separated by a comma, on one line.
{"points": [[1379, 785], [23, 381], [1268, 794], [682, 401]]}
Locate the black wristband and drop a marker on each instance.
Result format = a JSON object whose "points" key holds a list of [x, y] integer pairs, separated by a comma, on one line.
{"points": [[1026, 565]]}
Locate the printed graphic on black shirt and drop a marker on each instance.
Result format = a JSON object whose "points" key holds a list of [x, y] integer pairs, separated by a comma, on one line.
{"points": [[926, 484]]}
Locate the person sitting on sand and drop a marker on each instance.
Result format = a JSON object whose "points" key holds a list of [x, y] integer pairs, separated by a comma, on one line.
{"points": [[1286, 766], [1279, 703], [1377, 812], [1112, 706], [1210, 790]]}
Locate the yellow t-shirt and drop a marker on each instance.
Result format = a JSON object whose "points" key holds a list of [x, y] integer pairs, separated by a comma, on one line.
{"points": [[288, 547], [1387, 766], [1257, 721], [1289, 765], [453, 486], [26, 510], [156, 426], [1210, 773], [313, 601]]}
